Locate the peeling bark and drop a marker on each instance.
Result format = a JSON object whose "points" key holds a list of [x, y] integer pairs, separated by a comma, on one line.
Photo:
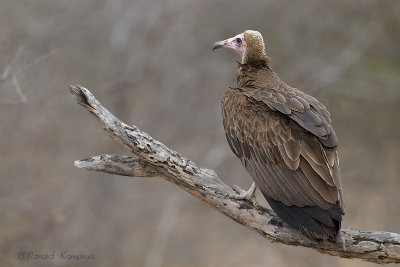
{"points": [[153, 159]]}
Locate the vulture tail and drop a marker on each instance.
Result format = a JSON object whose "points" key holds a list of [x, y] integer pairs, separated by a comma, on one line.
{"points": [[316, 223]]}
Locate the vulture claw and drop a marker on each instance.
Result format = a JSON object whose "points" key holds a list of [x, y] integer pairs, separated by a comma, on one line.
{"points": [[249, 195]]}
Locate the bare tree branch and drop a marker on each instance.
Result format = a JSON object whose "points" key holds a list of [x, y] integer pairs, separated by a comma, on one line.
{"points": [[18, 88], [6, 71], [120, 165], [9, 73], [152, 158]]}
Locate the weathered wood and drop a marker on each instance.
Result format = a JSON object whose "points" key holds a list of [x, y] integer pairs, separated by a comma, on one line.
{"points": [[152, 158]]}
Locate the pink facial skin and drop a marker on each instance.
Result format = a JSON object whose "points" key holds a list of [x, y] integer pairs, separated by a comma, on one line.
{"points": [[236, 43]]}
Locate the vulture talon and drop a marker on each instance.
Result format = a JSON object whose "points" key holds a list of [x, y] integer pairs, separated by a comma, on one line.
{"points": [[249, 195]]}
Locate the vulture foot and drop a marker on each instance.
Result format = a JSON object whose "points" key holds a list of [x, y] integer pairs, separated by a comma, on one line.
{"points": [[246, 195]]}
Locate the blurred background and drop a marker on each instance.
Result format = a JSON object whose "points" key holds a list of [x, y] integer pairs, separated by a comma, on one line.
{"points": [[150, 63]]}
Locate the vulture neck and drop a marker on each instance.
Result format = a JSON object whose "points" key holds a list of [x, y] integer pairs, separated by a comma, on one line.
{"points": [[255, 51], [256, 57], [256, 76]]}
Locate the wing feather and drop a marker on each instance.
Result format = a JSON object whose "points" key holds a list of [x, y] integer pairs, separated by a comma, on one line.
{"points": [[281, 142], [292, 149]]}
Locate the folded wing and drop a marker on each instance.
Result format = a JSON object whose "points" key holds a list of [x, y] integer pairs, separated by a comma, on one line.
{"points": [[286, 143]]}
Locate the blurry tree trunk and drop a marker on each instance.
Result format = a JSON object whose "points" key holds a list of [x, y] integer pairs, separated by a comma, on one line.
{"points": [[153, 159]]}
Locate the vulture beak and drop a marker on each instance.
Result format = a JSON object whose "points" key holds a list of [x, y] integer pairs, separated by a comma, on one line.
{"points": [[236, 43], [218, 45]]}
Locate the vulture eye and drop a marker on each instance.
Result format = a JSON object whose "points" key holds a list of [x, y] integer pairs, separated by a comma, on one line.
{"points": [[239, 41]]}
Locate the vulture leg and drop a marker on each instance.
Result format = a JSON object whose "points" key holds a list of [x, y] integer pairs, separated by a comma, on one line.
{"points": [[249, 195]]}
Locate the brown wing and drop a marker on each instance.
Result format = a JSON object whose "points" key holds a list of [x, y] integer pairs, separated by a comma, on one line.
{"points": [[313, 117], [287, 161]]}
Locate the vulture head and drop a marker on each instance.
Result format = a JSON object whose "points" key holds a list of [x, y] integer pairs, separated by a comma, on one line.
{"points": [[249, 45]]}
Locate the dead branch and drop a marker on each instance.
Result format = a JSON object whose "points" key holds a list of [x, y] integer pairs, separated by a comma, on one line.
{"points": [[153, 159]]}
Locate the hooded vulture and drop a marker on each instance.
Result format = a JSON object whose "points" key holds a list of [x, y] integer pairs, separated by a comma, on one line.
{"points": [[285, 140]]}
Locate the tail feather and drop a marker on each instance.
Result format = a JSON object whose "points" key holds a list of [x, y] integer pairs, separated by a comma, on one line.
{"points": [[316, 223]]}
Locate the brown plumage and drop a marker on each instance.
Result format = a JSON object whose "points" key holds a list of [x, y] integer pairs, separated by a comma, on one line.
{"points": [[284, 139]]}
